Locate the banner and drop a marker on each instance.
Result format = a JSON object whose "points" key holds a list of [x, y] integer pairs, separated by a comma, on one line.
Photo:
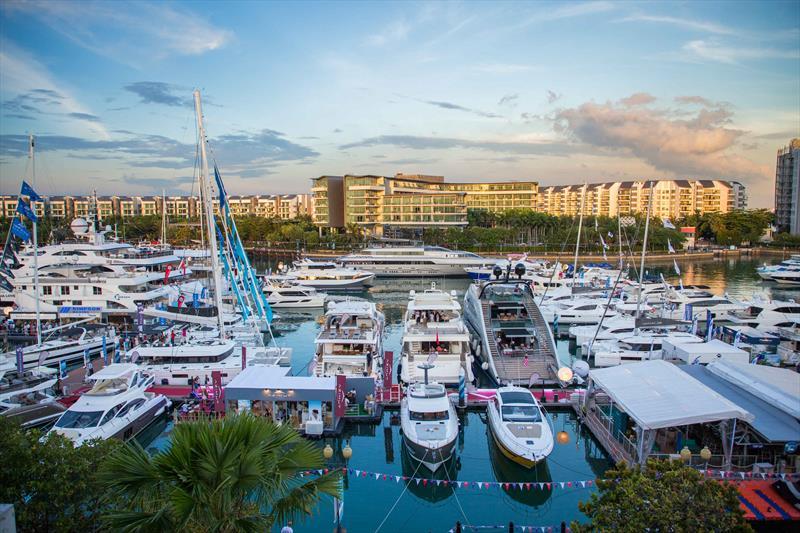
{"points": [[244, 357], [20, 360], [28, 191], [19, 230], [216, 382], [105, 352], [62, 368], [388, 363], [340, 406], [140, 317], [24, 210]]}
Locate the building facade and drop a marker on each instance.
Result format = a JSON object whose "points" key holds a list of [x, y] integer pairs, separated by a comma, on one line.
{"points": [[787, 188]]}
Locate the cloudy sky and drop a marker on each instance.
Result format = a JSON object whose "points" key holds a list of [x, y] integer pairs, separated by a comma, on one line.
{"points": [[554, 92]]}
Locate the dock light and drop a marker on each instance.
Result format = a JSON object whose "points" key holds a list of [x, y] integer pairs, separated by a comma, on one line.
{"points": [[565, 374], [705, 454], [347, 452], [686, 454], [327, 451], [562, 437], [485, 365], [519, 270]]}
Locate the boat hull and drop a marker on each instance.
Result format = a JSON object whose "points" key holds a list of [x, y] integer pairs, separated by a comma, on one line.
{"points": [[431, 458], [522, 461]]}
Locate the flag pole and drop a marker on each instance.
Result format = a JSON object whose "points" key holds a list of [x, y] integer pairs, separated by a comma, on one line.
{"points": [[35, 247]]}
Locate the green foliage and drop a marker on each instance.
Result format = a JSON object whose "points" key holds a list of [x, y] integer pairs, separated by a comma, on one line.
{"points": [[786, 239], [738, 227], [661, 496], [52, 484], [236, 474]]}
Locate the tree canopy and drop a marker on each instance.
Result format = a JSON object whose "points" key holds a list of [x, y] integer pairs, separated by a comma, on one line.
{"points": [[661, 496]]}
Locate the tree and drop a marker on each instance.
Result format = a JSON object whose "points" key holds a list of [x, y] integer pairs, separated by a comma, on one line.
{"points": [[661, 496], [240, 473], [52, 483]]}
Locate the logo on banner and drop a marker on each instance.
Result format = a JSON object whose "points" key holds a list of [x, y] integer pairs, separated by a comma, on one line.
{"points": [[341, 406], [388, 363]]}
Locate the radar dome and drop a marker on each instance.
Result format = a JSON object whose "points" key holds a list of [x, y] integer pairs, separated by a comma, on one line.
{"points": [[581, 369], [79, 226]]}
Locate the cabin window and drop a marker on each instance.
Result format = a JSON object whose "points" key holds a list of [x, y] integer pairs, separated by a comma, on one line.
{"points": [[47, 291], [111, 413], [79, 419], [97, 290], [429, 417], [521, 413], [64, 289], [132, 406]]}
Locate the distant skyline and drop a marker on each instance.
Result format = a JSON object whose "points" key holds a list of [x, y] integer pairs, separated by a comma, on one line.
{"points": [[556, 92]]}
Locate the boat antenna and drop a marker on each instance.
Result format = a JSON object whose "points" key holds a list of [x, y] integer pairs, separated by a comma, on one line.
{"points": [[644, 252], [425, 367]]}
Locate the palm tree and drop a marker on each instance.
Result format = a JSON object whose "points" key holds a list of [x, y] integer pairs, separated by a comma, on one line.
{"points": [[241, 473]]}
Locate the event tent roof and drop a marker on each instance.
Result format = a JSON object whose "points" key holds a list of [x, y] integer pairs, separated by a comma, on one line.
{"points": [[657, 394], [778, 386]]}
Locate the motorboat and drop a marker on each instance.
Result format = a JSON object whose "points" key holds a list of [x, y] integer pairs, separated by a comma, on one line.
{"points": [[484, 272], [611, 328], [292, 295], [70, 344], [116, 406], [577, 311], [643, 346], [519, 426], [691, 302], [433, 330], [761, 314], [414, 261], [509, 334], [429, 424], [766, 272], [27, 391], [327, 275], [786, 276], [351, 340]]}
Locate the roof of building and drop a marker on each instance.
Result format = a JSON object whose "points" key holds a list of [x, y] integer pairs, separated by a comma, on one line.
{"points": [[779, 386], [770, 422], [657, 394], [275, 377]]}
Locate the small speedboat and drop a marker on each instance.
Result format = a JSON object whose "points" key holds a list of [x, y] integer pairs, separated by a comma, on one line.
{"points": [[429, 423], [519, 427]]}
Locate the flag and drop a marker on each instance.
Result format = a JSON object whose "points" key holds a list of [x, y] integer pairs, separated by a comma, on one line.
{"points": [[166, 273], [20, 360], [4, 268], [525, 361], [437, 336], [28, 191], [6, 285], [694, 325], [669, 247], [62, 369], [18, 230], [677, 270], [668, 224], [555, 325], [180, 301], [737, 339], [105, 352], [182, 266], [25, 210], [709, 325], [610, 235]]}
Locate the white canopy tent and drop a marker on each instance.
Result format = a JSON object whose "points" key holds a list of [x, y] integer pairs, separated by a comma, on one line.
{"points": [[657, 394]]}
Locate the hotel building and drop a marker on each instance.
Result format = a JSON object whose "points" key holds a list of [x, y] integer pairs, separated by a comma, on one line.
{"points": [[787, 188]]}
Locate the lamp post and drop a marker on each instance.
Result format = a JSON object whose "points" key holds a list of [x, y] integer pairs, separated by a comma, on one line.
{"points": [[705, 454], [347, 453], [686, 455]]}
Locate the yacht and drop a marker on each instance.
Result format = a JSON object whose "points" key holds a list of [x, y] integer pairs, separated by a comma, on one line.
{"points": [[70, 344], [429, 424], [639, 347], [292, 295], [414, 261], [693, 302], [768, 314], [117, 406], [611, 328], [433, 330], [577, 310], [485, 272], [351, 340], [766, 272], [786, 276], [329, 276], [519, 426], [509, 333], [27, 388]]}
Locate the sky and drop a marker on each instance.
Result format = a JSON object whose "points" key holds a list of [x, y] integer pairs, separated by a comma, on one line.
{"points": [[556, 92]]}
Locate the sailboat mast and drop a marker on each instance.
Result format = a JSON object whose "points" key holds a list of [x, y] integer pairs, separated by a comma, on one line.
{"points": [[209, 212], [578, 241], [163, 218], [644, 250], [35, 246], [619, 237]]}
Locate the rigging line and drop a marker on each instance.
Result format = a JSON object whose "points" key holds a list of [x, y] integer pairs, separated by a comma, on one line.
{"points": [[558, 255], [385, 518], [455, 493]]}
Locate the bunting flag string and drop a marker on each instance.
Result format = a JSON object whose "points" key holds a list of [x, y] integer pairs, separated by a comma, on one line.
{"points": [[532, 485]]}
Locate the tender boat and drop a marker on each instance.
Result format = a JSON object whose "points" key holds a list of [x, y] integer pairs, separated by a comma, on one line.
{"points": [[433, 330], [351, 340], [519, 426], [414, 261], [429, 424], [288, 295], [117, 406]]}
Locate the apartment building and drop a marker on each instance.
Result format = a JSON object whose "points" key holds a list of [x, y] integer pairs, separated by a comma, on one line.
{"points": [[787, 188]]}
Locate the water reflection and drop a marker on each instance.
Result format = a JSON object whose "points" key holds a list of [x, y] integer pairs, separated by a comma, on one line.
{"points": [[433, 488], [507, 471]]}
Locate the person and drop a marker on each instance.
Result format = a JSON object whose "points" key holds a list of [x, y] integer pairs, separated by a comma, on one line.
{"points": [[287, 528]]}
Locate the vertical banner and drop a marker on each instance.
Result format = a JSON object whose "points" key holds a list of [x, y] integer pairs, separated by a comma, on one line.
{"points": [[195, 300], [140, 317], [105, 352], [20, 360], [216, 382], [86, 361], [117, 355], [340, 406], [244, 357], [388, 364], [62, 367]]}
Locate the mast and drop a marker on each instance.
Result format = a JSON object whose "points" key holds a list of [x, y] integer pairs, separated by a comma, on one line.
{"points": [[35, 245], [163, 218], [209, 212], [619, 237], [578, 241], [644, 251]]}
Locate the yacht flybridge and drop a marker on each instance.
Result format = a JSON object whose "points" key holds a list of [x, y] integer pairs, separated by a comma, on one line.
{"points": [[510, 335], [351, 340], [414, 261], [434, 331], [117, 406]]}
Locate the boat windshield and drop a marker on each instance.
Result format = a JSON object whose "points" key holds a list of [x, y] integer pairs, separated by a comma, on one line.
{"points": [[79, 419], [429, 417], [521, 413]]}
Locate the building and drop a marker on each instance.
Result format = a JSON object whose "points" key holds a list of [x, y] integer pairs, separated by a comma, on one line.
{"points": [[787, 188], [394, 205]]}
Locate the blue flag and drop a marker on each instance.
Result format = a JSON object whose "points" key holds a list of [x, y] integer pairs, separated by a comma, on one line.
{"points": [[20, 360], [25, 210], [28, 191], [19, 230], [709, 325], [62, 369], [220, 187], [105, 352]]}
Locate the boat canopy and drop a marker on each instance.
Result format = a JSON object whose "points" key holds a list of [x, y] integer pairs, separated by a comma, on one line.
{"points": [[657, 394]]}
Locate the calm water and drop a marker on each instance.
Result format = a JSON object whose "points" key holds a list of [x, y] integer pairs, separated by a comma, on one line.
{"points": [[378, 449]]}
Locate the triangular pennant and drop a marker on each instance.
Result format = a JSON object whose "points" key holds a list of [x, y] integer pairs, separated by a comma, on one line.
{"points": [[479, 486], [377, 476], [549, 485], [424, 482], [397, 479], [561, 483], [363, 474], [589, 483], [583, 484], [569, 483], [417, 480], [384, 477], [358, 472]]}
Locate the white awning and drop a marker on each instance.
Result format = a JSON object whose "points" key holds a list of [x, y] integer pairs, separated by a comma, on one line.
{"points": [[778, 386], [657, 394]]}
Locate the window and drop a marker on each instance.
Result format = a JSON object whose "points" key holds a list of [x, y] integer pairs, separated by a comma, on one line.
{"points": [[111, 413], [132, 406], [47, 291], [97, 290], [429, 417], [64, 289], [78, 419], [521, 413]]}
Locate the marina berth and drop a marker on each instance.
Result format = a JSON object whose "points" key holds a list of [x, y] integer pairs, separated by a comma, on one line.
{"points": [[434, 331], [116, 406], [429, 424], [414, 261], [519, 426]]}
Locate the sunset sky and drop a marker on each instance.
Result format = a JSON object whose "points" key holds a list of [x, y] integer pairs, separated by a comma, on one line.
{"points": [[554, 92]]}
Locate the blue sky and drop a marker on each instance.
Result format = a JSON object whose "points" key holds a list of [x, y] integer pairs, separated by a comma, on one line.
{"points": [[558, 92]]}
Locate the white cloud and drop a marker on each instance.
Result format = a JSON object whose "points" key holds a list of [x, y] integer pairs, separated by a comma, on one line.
{"points": [[568, 10], [396, 31], [710, 50], [698, 25], [128, 33]]}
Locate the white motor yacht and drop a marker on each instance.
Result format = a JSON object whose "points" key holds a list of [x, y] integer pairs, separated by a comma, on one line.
{"points": [[636, 348], [429, 424], [519, 426], [699, 302], [433, 330], [327, 275], [281, 295], [766, 272], [117, 406], [70, 344], [414, 261], [767, 314], [31, 387], [351, 340]]}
